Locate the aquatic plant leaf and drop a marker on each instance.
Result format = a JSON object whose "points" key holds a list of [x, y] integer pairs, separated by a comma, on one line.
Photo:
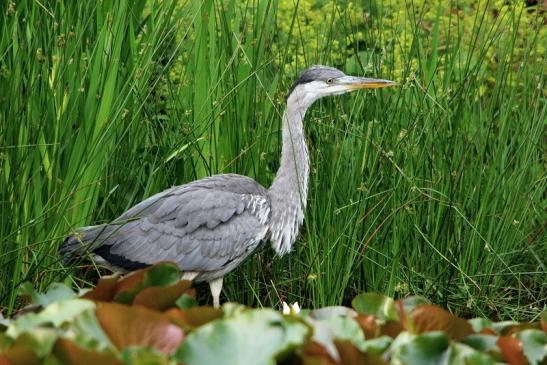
{"points": [[56, 292], [40, 340], [186, 301], [482, 342], [19, 355], [69, 353], [351, 355], [459, 354], [534, 345], [428, 348], [512, 350], [193, 317], [378, 305], [55, 314], [161, 298], [161, 274], [105, 289], [410, 303], [138, 326], [427, 318], [251, 337], [144, 356], [333, 311], [159, 282]]}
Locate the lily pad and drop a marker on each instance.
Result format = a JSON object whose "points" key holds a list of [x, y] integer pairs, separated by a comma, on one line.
{"points": [[55, 314], [253, 337], [193, 317], [511, 350], [161, 298], [378, 305], [483, 343], [459, 354], [144, 356], [19, 355], [138, 326], [534, 345], [425, 349], [105, 289], [410, 303], [427, 318], [186, 301], [69, 353], [56, 292]]}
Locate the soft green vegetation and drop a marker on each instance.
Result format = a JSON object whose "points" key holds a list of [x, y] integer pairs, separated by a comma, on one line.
{"points": [[151, 317], [435, 188]]}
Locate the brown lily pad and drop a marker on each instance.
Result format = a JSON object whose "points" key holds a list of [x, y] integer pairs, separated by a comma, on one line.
{"points": [[511, 349], [105, 289], [427, 318], [350, 355], [19, 355], [161, 298], [71, 354], [193, 317], [368, 325], [313, 353], [373, 328], [138, 326]]}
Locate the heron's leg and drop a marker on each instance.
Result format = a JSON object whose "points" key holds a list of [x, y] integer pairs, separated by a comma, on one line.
{"points": [[189, 275], [216, 288]]}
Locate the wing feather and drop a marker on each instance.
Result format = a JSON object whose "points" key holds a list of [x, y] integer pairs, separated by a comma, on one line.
{"points": [[202, 226]]}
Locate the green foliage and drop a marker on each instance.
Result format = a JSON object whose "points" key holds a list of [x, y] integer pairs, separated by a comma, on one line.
{"points": [[89, 331], [375, 304], [76, 77], [434, 188]]}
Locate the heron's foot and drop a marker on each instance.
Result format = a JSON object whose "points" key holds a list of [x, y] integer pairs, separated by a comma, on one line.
{"points": [[189, 275], [216, 288]]}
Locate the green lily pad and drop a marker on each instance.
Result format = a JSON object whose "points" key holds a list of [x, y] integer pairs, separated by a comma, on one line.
{"points": [[345, 328], [41, 340], [186, 301], [481, 342], [253, 337], [479, 324], [56, 292], [459, 354], [55, 314], [534, 345], [381, 306], [425, 349], [144, 356], [89, 334], [411, 302]]}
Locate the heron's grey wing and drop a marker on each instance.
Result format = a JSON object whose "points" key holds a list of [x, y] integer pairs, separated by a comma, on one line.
{"points": [[202, 226]]}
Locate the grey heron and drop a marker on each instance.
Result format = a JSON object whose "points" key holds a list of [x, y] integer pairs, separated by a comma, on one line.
{"points": [[210, 226]]}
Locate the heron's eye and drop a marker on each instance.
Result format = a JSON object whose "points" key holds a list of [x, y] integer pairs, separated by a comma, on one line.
{"points": [[329, 81]]}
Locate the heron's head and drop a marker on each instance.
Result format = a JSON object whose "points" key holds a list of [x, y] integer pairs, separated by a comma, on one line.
{"points": [[319, 81]]}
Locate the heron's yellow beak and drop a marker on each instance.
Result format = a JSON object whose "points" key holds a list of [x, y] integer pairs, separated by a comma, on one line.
{"points": [[354, 83]]}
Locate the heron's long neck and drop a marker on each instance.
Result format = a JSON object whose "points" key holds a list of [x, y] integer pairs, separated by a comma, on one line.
{"points": [[289, 190]]}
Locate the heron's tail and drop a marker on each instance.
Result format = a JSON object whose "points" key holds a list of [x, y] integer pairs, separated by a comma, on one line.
{"points": [[80, 243]]}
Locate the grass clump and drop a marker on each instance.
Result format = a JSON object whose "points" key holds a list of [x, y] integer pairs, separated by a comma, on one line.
{"points": [[435, 188], [76, 79]]}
